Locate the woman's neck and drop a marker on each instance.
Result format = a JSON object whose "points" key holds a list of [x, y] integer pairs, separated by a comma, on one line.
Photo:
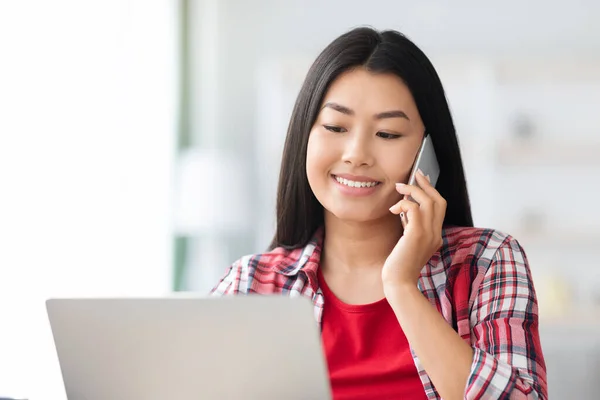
{"points": [[358, 246]]}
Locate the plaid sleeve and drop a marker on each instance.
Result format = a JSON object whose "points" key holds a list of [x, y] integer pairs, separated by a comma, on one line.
{"points": [[508, 362], [234, 281]]}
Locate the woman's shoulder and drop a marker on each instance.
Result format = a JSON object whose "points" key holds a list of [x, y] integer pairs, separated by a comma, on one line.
{"points": [[478, 246], [471, 236], [278, 259], [262, 272], [478, 261]]}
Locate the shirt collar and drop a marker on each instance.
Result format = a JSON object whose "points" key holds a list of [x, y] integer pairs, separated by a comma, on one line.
{"points": [[305, 259]]}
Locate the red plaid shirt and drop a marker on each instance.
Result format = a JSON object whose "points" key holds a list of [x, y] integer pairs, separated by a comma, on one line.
{"points": [[480, 283]]}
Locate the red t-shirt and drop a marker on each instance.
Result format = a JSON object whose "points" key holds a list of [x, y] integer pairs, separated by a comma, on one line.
{"points": [[367, 353]]}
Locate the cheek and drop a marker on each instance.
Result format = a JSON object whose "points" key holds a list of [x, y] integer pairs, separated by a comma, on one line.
{"points": [[398, 167], [319, 158], [313, 164]]}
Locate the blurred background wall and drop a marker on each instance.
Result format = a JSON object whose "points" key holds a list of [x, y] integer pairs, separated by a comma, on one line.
{"points": [[140, 144], [88, 122]]}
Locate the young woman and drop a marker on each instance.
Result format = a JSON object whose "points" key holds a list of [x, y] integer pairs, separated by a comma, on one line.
{"points": [[413, 301]]}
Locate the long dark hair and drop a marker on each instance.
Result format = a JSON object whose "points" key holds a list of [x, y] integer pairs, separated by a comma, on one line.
{"points": [[299, 214]]}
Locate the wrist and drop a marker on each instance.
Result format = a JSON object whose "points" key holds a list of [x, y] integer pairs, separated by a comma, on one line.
{"points": [[404, 299], [400, 287]]}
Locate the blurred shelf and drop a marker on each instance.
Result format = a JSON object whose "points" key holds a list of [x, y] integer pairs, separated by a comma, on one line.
{"points": [[540, 153], [556, 238], [523, 70], [526, 71], [581, 323]]}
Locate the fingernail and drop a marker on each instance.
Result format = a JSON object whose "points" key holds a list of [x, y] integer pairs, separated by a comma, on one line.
{"points": [[420, 172], [428, 178], [399, 184]]}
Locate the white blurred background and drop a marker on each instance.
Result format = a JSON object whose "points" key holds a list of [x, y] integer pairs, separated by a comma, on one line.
{"points": [[140, 144]]}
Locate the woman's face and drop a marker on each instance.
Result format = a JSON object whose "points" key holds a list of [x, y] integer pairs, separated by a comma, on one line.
{"points": [[364, 140]]}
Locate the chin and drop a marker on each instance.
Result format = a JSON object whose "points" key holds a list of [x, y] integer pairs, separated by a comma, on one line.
{"points": [[353, 215]]}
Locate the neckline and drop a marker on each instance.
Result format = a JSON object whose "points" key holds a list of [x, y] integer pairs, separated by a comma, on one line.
{"points": [[352, 308]]}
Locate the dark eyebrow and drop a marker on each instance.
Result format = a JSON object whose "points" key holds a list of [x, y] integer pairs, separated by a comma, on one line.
{"points": [[392, 114], [339, 108], [383, 115]]}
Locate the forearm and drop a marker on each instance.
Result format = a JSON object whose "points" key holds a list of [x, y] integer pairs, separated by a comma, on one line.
{"points": [[446, 357]]}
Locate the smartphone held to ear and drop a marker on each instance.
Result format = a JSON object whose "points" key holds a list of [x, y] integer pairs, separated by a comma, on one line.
{"points": [[427, 162]]}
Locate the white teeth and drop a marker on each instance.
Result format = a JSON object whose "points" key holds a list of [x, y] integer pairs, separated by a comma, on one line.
{"points": [[355, 183]]}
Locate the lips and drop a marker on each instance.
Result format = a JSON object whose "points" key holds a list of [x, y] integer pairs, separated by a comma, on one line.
{"points": [[356, 183], [356, 178], [355, 186]]}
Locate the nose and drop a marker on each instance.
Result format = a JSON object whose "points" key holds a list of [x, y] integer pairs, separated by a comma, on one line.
{"points": [[357, 151]]}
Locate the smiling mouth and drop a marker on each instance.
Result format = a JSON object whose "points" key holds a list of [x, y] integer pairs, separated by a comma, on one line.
{"points": [[355, 184]]}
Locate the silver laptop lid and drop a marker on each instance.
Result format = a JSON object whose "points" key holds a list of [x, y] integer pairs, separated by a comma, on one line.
{"points": [[251, 347]]}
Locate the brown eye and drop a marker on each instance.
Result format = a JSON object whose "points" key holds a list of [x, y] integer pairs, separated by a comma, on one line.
{"points": [[385, 135], [335, 129]]}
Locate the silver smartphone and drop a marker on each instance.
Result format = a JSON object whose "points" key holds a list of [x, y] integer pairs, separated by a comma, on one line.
{"points": [[427, 162]]}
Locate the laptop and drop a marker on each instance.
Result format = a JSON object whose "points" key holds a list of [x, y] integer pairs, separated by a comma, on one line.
{"points": [[238, 347]]}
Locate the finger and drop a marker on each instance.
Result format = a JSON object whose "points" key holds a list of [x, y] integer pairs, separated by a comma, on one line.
{"points": [[426, 186], [409, 211], [396, 209], [424, 182], [439, 203], [426, 204], [403, 219], [440, 212], [417, 194], [405, 206]]}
